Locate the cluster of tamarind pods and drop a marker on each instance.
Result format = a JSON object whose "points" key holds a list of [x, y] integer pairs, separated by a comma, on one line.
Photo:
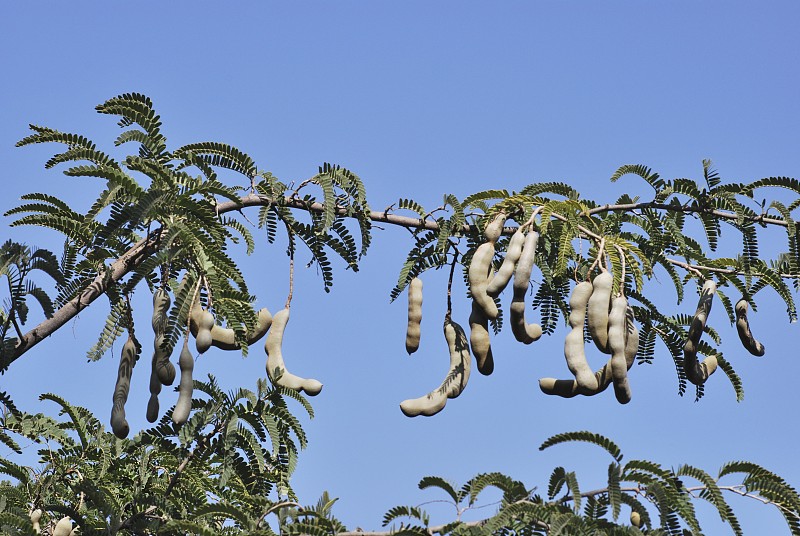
{"points": [[207, 333], [62, 528], [610, 320]]}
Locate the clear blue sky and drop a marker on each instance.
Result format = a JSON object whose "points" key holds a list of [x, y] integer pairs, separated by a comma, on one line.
{"points": [[422, 99]]}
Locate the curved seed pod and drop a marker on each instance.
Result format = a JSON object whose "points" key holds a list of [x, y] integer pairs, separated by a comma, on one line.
{"points": [[126, 363], [569, 388], [164, 368], [479, 278], [524, 332], [479, 340], [495, 228], [35, 516], [697, 372], [155, 390], [598, 310], [225, 338], [203, 339], [184, 404], [455, 381], [503, 275], [63, 527], [573, 345], [617, 335], [743, 328], [276, 368], [414, 315]]}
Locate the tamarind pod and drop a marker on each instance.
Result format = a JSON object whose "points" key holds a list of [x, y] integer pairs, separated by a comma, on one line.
{"points": [[617, 335], [524, 332], [164, 368], [155, 390], [569, 388], [203, 339], [479, 340], [743, 328], [599, 310], [503, 275], [413, 330], [225, 338], [35, 516], [478, 278], [63, 527], [697, 372], [455, 381], [495, 228], [186, 387], [276, 368], [636, 519], [573, 344], [126, 363]]}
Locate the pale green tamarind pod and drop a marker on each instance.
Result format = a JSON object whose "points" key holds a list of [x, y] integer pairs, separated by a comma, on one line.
{"points": [[186, 386], [697, 372], [617, 335], [479, 278], [455, 381], [569, 388], [503, 275], [599, 309], [413, 330], [35, 516], [225, 338], [126, 363], [524, 332], [203, 339], [161, 363], [63, 527], [743, 328], [276, 368], [573, 345], [479, 340]]}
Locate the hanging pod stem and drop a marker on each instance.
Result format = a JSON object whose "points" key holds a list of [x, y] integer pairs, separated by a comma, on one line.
{"points": [[570, 388], [524, 332], [698, 372], [574, 351], [743, 328], [598, 315], [455, 381], [127, 361], [276, 368], [414, 330]]}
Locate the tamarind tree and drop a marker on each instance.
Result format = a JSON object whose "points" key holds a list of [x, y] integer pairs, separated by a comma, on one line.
{"points": [[164, 222]]}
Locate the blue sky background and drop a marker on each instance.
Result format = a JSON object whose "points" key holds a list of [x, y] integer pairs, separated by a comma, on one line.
{"points": [[422, 99]]}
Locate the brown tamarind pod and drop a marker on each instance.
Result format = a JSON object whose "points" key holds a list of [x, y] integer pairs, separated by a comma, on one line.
{"points": [[276, 368], [617, 335], [573, 345], [479, 340], [203, 339], [186, 386], [35, 516], [479, 278], [636, 519], [225, 338], [503, 275], [743, 328], [698, 372], [127, 361], [599, 310], [569, 388], [455, 381], [165, 370], [524, 332], [63, 527], [494, 229], [413, 330], [155, 390]]}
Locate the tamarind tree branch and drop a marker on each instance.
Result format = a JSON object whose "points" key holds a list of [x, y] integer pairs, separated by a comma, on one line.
{"points": [[149, 245]]}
